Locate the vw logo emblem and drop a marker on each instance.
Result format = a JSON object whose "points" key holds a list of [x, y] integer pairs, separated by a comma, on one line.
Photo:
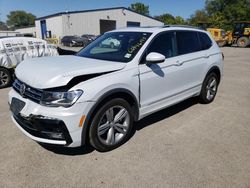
{"points": [[22, 89]]}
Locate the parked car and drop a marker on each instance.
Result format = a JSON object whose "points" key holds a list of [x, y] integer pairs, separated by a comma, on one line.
{"points": [[74, 41], [96, 95], [90, 38], [111, 42], [13, 50]]}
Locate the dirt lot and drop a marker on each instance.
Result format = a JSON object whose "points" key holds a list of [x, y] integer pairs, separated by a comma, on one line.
{"points": [[188, 145]]}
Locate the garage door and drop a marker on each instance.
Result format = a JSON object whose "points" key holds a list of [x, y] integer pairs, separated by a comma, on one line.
{"points": [[107, 25]]}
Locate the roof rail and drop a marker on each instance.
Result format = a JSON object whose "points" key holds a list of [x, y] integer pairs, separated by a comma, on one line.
{"points": [[184, 26]]}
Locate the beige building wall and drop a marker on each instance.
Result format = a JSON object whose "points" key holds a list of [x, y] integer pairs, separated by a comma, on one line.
{"points": [[53, 24], [89, 22], [27, 30]]}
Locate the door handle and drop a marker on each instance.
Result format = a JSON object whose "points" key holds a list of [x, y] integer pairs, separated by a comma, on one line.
{"points": [[178, 63], [206, 56]]}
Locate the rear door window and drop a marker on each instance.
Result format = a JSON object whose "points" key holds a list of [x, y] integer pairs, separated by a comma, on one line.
{"points": [[187, 42]]}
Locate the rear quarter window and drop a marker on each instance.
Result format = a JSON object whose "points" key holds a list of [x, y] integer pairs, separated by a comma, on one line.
{"points": [[205, 41]]}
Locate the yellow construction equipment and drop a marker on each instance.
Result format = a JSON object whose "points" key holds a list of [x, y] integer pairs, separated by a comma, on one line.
{"points": [[219, 35], [240, 35]]}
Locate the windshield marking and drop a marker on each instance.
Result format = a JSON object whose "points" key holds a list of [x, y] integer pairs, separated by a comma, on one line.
{"points": [[137, 45]]}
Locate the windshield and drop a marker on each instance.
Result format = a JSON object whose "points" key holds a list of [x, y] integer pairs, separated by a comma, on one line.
{"points": [[115, 46]]}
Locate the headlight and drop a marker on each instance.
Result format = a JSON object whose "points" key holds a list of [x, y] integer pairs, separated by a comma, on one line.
{"points": [[56, 99]]}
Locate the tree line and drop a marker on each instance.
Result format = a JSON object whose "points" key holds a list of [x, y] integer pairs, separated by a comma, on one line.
{"points": [[220, 13]]}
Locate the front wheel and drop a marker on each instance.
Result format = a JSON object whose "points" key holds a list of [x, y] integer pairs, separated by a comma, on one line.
{"points": [[5, 77], [112, 45], [111, 126], [209, 88]]}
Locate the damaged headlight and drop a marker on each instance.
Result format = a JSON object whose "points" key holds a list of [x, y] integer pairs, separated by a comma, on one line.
{"points": [[64, 99]]}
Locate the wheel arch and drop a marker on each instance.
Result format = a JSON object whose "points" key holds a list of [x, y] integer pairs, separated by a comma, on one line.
{"points": [[216, 70], [114, 93]]}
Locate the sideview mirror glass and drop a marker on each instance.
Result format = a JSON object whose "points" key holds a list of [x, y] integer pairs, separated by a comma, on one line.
{"points": [[154, 57]]}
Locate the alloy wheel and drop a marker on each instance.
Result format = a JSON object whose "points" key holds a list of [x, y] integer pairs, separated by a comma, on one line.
{"points": [[211, 88], [113, 125], [4, 78]]}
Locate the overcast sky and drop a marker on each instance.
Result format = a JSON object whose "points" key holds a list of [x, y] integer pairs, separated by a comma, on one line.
{"points": [[40, 8]]}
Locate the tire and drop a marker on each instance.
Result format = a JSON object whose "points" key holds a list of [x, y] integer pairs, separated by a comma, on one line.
{"points": [[5, 78], [70, 44], [209, 88], [112, 45], [104, 134], [243, 42], [222, 43]]}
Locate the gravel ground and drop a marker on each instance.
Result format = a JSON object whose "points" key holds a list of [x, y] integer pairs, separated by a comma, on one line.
{"points": [[187, 145]]}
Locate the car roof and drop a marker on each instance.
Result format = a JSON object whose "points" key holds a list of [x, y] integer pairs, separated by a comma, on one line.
{"points": [[159, 29]]}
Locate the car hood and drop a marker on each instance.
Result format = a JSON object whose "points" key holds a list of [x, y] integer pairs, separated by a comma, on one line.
{"points": [[49, 72]]}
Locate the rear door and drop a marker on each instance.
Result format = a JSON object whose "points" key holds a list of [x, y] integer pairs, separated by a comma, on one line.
{"points": [[192, 59]]}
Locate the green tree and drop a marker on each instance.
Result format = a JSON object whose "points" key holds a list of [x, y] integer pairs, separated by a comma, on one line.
{"points": [[166, 18], [197, 17], [19, 18], [222, 13], [218, 20], [140, 8], [3, 26], [169, 19], [179, 20]]}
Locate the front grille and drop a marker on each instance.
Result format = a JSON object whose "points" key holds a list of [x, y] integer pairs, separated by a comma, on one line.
{"points": [[27, 91]]}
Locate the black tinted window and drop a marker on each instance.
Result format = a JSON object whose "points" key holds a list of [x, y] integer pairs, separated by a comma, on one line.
{"points": [[206, 42], [163, 44], [187, 42]]}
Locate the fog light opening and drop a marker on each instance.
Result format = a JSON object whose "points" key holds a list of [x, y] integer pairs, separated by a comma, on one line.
{"points": [[56, 135]]}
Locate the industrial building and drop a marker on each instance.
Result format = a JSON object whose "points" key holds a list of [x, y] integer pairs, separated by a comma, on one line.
{"points": [[90, 22], [27, 31]]}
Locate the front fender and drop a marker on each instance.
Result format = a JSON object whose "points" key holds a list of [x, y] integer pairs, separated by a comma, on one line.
{"points": [[95, 88]]}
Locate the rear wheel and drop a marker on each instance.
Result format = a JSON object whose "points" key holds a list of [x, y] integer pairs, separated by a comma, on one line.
{"points": [[111, 126], [5, 77], [209, 88], [243, 42]]}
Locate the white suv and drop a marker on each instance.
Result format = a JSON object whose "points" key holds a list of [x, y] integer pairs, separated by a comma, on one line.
{"points": [[96, 95]]}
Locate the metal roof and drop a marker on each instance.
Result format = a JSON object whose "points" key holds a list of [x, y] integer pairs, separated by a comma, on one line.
{"points": [[93, 10]]}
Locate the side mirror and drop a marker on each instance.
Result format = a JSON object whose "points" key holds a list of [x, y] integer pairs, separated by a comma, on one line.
{"points": [[154, 57]]}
